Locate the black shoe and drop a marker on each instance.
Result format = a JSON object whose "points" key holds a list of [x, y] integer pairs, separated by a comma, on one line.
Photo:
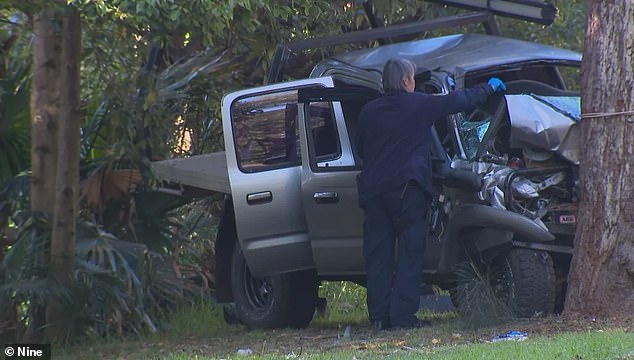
{"points": [[381, 325], [414, 325]]}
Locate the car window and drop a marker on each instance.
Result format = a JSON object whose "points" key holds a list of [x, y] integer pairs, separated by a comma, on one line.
{"points": [[323, 131], [265, 131]]}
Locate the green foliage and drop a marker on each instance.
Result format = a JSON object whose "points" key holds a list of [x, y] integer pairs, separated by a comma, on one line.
{"points": [[25, 287], [566, 32], [202, 318], [158, 114], [24, 269], [15, 84], [346, 303], [165, 18], [121, 287], [153, 223]]}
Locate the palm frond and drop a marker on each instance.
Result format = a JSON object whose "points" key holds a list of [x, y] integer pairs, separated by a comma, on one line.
{"points": [[36, 291], [90, 132], [15, 128], [27, 258]]}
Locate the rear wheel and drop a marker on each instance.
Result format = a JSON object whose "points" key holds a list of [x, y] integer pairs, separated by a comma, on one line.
{"points": [[272, 301]]}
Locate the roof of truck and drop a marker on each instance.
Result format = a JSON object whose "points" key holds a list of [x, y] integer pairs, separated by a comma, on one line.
{"points": [[470, 52]]}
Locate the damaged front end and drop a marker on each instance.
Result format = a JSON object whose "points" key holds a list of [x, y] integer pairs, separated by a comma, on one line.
{"points": [[527, 152]]}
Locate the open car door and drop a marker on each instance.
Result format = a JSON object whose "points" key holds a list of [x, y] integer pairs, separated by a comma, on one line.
{"points": [[264, 165]]}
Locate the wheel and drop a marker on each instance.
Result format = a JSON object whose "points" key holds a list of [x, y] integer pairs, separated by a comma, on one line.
{"points": [[521, 279], [273, 301], [527, 282], [260, 303]]}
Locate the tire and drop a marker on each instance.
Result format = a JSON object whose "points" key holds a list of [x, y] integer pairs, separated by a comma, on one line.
{"points": [[274, 301], [523, 280], [526, 282]]}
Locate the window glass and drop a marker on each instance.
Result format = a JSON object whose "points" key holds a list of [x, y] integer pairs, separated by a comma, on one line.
{"points": [[323, 131], [265, 131]]}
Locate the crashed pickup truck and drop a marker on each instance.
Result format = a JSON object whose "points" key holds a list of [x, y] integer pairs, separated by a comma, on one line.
{"points": [[505, 176]]}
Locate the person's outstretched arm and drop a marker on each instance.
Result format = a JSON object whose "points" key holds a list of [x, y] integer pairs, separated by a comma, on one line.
{"points": [[466, 99]]}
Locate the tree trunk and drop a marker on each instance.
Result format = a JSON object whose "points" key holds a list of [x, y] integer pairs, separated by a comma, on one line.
{"points": [[44, 109], [44, 116], [601, 281], [67, 180]]}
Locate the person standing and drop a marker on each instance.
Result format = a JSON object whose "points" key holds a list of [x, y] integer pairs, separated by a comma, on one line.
{"points": [[395, 188]]}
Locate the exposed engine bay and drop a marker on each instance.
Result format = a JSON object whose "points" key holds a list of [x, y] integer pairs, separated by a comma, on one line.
{"points": [[527, 152]]}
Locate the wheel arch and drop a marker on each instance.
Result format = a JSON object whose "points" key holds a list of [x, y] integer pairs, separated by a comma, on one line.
{"points": [[484, 231]]}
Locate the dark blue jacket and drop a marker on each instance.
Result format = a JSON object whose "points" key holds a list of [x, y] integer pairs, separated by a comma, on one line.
{"points": [[394, 136]]}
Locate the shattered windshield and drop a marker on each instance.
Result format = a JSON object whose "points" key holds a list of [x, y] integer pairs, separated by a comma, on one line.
{"points": [[567, 105], [537, 121], [473, 133]]}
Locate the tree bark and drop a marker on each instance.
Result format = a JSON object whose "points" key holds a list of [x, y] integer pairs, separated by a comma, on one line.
{"points": [[44, 109], [44, 118], [601, 280], [67, 177]]}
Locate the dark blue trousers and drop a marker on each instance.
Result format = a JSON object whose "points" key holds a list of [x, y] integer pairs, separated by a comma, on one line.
{"points": [[396, 219]]}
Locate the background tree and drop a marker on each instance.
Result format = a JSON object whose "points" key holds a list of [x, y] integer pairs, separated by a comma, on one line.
{"points": [[601, 281]]}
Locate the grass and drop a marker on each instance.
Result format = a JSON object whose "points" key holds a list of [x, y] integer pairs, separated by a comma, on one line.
{"points": [[346, 304], [202, 318], [479, 304], [589, 345], [199, 332]]}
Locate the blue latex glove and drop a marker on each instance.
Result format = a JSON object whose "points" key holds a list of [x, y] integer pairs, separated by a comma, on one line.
{"points": [[452, 82], [496, 84]]}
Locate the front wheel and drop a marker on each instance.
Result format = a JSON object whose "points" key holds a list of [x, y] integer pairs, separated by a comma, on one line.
{"points": [[273, 301], [521, 279], [528, 282]]}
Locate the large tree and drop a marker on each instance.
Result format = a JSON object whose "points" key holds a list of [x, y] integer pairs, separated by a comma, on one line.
{"points": [[55, 125], [67, 171], [45, 108], [44, 123], [601, 280]]}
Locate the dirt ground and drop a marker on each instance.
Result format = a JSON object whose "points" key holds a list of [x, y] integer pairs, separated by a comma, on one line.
{"points": [[291, 343]]}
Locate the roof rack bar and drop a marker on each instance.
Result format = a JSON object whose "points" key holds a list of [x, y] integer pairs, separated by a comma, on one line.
{"points": [[392, 31], [538, 11]]}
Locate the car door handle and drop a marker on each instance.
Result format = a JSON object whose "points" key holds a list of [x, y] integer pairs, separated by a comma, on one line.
{"points": [[259, 197], [326, 197]]}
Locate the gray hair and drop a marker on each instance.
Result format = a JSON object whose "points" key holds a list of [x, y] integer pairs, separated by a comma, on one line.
{"points": [[394, 71]]}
